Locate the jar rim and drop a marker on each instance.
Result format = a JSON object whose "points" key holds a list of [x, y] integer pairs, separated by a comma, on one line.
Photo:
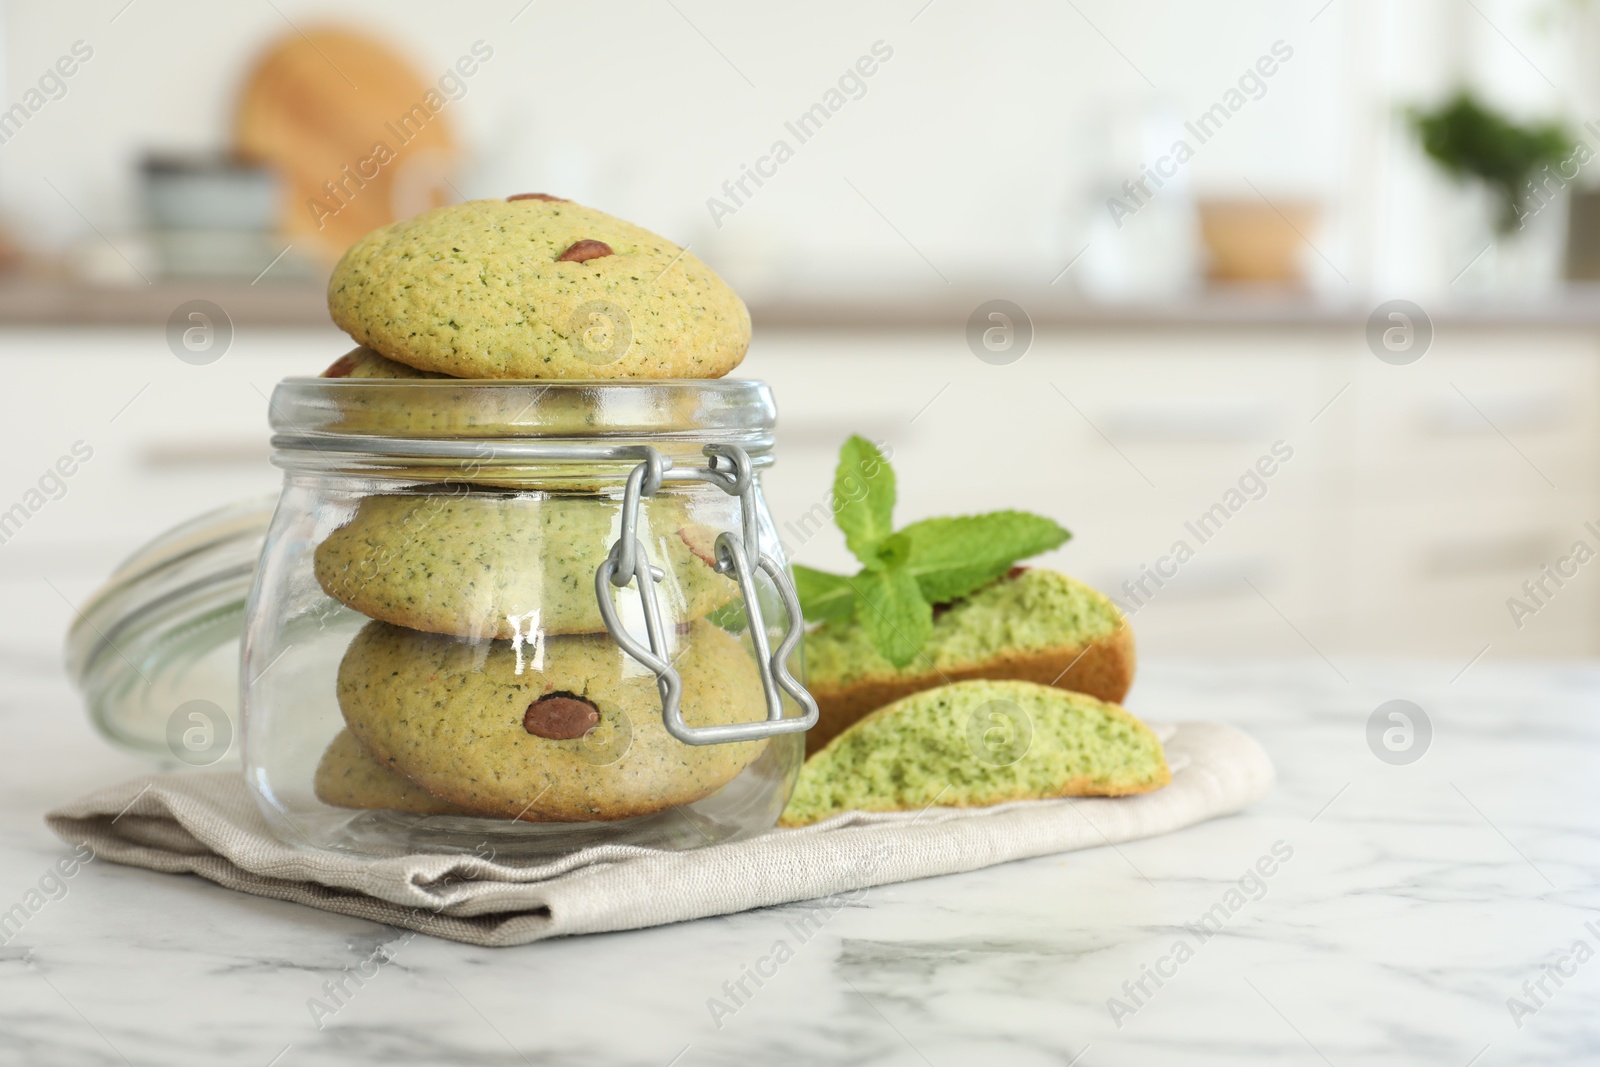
{"points": [[723, 409]]}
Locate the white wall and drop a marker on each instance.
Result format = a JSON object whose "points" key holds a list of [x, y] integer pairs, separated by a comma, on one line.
{"points": [[981, 141]]}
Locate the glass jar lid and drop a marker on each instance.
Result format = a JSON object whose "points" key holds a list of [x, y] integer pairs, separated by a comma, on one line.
{"points": [[164, 629]]}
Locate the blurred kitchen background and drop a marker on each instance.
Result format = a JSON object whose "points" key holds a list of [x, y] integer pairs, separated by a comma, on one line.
{"points": [[1369, 263]]}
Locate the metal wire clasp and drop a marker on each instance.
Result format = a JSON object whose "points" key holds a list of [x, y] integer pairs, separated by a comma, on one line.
{"points": [[728, 468]]}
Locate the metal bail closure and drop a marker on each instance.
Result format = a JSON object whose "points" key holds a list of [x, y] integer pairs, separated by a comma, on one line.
{"points": [[738, 555]]}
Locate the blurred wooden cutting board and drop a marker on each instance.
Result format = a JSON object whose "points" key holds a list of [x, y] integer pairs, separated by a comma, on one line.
{"points": [[360, 138]]}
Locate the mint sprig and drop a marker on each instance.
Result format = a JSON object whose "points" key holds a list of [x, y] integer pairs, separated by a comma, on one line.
{"points": [[863, 498], [905, 572]]}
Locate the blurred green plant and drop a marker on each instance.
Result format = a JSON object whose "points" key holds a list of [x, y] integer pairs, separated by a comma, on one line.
{"points": [[1472, 141]]}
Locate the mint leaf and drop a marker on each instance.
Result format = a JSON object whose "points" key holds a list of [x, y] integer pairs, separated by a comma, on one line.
{"points": [[951, 557], [824, 597], [863, 498], [893, 611], [904, 573], [893, 551]]}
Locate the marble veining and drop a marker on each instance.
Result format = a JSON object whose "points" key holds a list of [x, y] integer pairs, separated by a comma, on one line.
{"points": [[1416, 902]]}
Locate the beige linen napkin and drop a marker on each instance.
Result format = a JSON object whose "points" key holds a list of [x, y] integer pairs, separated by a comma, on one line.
{"points": [[208, 824]]}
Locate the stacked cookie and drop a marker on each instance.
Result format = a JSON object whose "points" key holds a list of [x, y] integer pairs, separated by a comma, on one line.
{"points": [[533, 286], [556, 730], [485, 683]]}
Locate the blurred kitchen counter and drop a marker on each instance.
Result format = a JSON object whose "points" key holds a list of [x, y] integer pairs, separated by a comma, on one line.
{"points": [[49, 302], [37, 301], [1047, 308]]}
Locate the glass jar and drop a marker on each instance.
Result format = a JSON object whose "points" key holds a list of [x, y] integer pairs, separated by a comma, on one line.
{"points": [[516, 617]]}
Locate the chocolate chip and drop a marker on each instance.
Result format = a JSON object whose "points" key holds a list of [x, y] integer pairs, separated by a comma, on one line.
{"points": [[702, 542], [539, 196], [583, 251], [560, 716]]}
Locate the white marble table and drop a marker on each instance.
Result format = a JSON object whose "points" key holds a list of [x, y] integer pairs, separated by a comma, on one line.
{"points": [[1417, 900]]}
